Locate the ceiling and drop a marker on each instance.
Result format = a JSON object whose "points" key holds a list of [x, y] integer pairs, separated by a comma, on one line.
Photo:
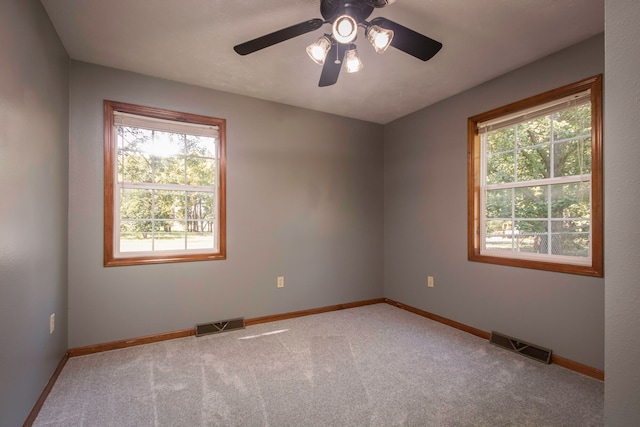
{"points": [[192, 41]]}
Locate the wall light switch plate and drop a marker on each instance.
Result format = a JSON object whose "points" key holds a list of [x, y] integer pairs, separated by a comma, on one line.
{"points": [[430, 281], [281, 281], [52, 323]]}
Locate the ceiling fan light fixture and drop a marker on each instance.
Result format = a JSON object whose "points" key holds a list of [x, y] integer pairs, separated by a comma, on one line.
{"points": [[352, 62], [345, 16], [345, 29], [318, 50], [380, 38]]}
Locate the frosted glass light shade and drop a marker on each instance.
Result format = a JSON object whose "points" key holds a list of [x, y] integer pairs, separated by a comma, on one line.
{"points": [[380, 38], [352, 62], [318, 50]]}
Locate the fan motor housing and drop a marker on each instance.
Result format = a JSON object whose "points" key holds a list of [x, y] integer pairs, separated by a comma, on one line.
{"points": [[358, 9]]}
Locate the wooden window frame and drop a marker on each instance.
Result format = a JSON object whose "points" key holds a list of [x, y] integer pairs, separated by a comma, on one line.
{"points": [[473, 181], [110, 175]]}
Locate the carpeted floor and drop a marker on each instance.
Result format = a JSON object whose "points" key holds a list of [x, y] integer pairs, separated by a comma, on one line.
{"points": [[369, 366]]}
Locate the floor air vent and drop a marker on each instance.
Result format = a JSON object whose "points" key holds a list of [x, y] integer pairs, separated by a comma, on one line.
{"points": [[221, 326], [536, 352]]}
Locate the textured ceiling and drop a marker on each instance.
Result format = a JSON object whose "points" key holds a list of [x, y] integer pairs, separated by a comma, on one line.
{"points": [[192, 41]]}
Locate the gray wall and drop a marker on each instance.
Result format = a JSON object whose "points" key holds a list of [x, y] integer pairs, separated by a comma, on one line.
{"points": [[622, 207], [425, 223], [33, 214], [304, 200]]}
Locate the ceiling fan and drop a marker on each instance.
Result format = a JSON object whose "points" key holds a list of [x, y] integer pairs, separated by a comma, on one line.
{"points": [[345, 16]]}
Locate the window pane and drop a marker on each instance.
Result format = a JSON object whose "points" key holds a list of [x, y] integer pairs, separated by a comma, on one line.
{"points": [[570, 226], [571, 200], [134, 139], [201, 146], [572, 157], [533, 163], [498, 235], [166, 144], [168, 204], [200, 211], [531, 226], [136, 204], [531, 236], [531, 202], [534, 132], [501, 140], [168, 170], [200, 171], [135, 236], [170, 235], [571, 237], [134, 167], [500, 168], [202, 239], [536, 243], [572, 122], [570, 244], [200, 205], [499, 203]]}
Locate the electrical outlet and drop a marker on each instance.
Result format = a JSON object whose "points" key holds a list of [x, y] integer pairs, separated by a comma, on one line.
{"points": [[281, 281], [52, 323], [430, 281]]}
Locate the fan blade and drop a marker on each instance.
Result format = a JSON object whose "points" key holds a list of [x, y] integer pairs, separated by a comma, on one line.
{"points": [[278, 36], [409, 41], [332, 65]]}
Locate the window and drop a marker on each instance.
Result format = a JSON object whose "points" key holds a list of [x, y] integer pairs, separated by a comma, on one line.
{"points": [[164, 186], [535, 182]]}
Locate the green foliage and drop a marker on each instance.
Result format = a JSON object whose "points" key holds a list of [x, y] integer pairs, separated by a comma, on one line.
{"points": [[501, 168], [501, 140], [499, 203]]}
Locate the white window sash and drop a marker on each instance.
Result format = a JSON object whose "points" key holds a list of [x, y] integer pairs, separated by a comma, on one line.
{"points": [[182, 128], [510, 120]]}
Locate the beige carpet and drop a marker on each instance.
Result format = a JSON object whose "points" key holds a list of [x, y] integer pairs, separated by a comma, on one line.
{"points": [[369, 366]]}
